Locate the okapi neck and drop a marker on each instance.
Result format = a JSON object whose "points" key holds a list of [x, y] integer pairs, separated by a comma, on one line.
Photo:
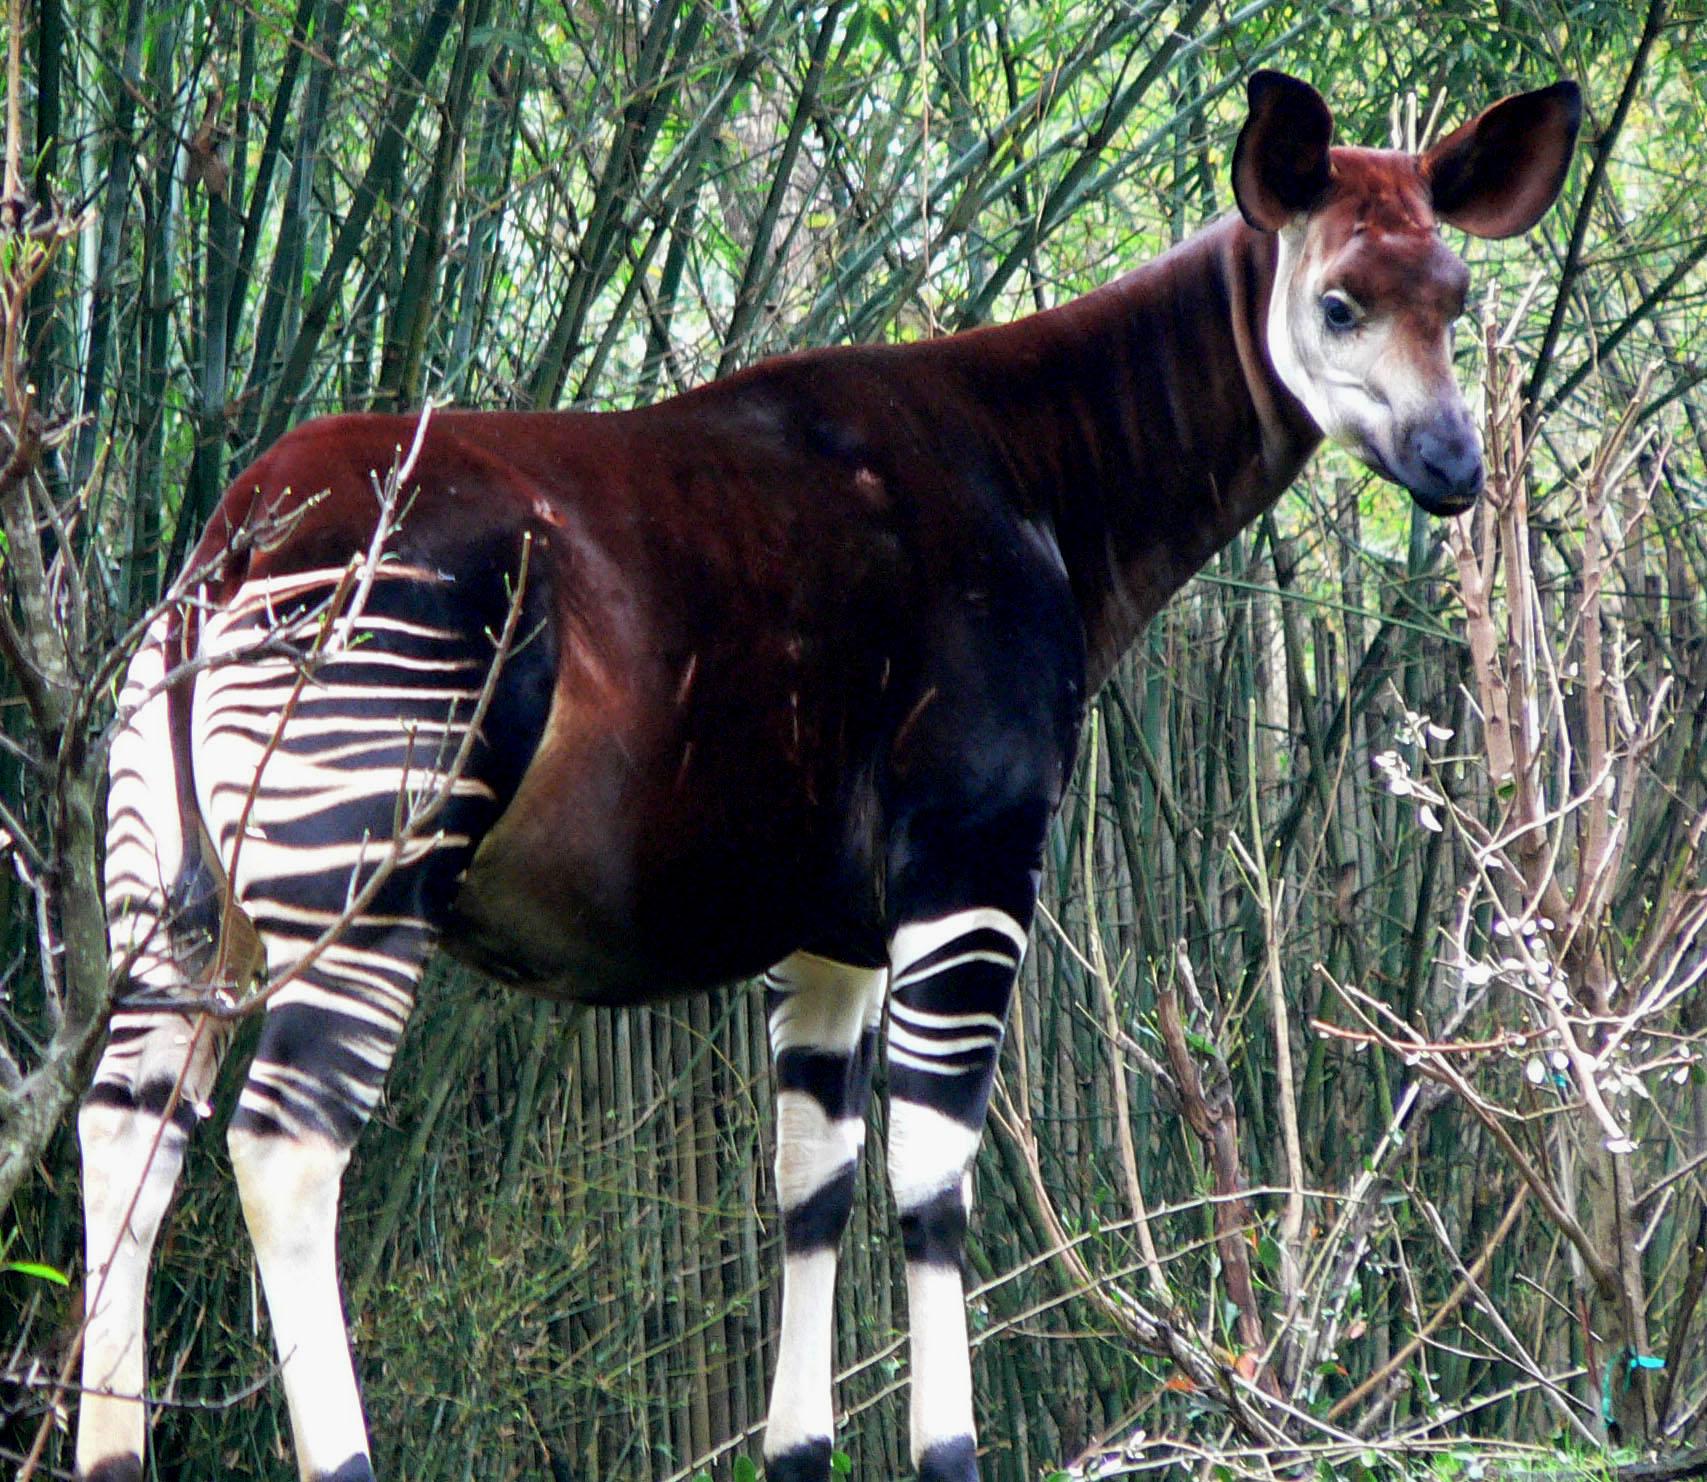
{"points": [[1146, 425]]}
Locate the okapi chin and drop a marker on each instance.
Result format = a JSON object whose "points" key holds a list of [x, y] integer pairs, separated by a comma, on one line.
{"points": [[792, 675]]}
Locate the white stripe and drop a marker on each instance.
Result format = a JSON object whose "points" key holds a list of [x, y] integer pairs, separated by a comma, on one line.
{"points": [[911, 1061], [928, 1152], [801, 1394], [289, 1189], [127, 1184], [919, 1044], [941, 1407], [926, 1019], [920, 974], [918, 939], [244, 720], [826, 1005], [811, 1149]]}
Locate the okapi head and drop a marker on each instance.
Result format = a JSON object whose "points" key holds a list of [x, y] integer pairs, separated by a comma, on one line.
{"points": [[1366, 292]]}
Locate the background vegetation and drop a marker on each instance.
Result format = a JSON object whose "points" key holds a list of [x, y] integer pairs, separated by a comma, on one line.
{"points": [[1355, 1107]]}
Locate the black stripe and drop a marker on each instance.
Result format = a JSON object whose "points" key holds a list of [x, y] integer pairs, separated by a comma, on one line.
{"points": [[964, 1096], [115, 1469], [153, 1098], [807, 1462], [356, 1469], [971, 988], [841, 1084], [934, 1233], [314, 1042], [110, 1093], [979, 939], [818, 1222], [151, 1101]]}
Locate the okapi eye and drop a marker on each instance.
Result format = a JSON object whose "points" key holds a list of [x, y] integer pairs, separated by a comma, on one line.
{"points": [[1339, 313]]}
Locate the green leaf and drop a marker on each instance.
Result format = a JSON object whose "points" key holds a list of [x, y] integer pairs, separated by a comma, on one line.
{"points": [[887, 33], [841, 1463], [36, 1268], [745, 1471]]}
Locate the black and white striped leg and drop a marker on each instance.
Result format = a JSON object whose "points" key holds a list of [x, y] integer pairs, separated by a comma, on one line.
{"points": [[132, 1133], [823, 1027], [950, 981], [132, 1153], [302, 825], [316, 1077]]}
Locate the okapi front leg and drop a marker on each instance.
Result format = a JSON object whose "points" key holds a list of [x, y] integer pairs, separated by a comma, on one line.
{"points": [[951, 979], [823, 1027]]}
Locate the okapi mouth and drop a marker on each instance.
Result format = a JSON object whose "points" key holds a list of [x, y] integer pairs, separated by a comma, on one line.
{"points": [[1449, 506], [1440, 488]]}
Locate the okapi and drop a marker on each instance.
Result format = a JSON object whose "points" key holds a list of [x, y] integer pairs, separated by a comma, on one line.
{"points": [[800, 663]]}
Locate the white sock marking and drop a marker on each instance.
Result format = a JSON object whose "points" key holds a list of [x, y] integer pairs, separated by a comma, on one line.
{"points": [[800, 1399], [289, 1189], [941, 1408]]}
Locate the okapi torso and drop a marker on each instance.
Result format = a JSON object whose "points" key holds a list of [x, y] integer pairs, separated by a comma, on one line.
{"points": [[798, 666]]}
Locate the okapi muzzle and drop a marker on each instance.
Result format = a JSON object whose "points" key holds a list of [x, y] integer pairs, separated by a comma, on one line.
{"points": [[1366, 292]]}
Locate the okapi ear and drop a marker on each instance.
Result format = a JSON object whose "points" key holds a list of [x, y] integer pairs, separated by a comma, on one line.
{"points": [[1280, 164], [1497, 175]]}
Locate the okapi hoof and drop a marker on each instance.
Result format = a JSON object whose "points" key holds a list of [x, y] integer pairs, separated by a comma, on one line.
{"points": [[807, 1462], [950, 1461], [356, 1469], [115, 1469]]}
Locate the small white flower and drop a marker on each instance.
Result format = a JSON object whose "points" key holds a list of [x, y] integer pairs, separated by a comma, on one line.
{"points": [[1426, 817]]}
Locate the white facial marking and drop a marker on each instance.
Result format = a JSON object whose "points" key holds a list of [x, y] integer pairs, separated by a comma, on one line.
{"points": [[1362, 384]]}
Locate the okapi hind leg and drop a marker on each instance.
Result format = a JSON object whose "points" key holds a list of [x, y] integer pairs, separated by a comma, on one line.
{"points": [[307, 789], [315, 1079], [156, 1072], [133, 1149], [824, 1017], [951, 979]]}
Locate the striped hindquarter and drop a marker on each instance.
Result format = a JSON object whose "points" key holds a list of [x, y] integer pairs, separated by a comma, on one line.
{"points": [[316, 741]]}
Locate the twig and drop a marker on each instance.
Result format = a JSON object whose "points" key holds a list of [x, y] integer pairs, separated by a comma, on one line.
{"points": [[1441, 1313], [1111, 1019]]}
